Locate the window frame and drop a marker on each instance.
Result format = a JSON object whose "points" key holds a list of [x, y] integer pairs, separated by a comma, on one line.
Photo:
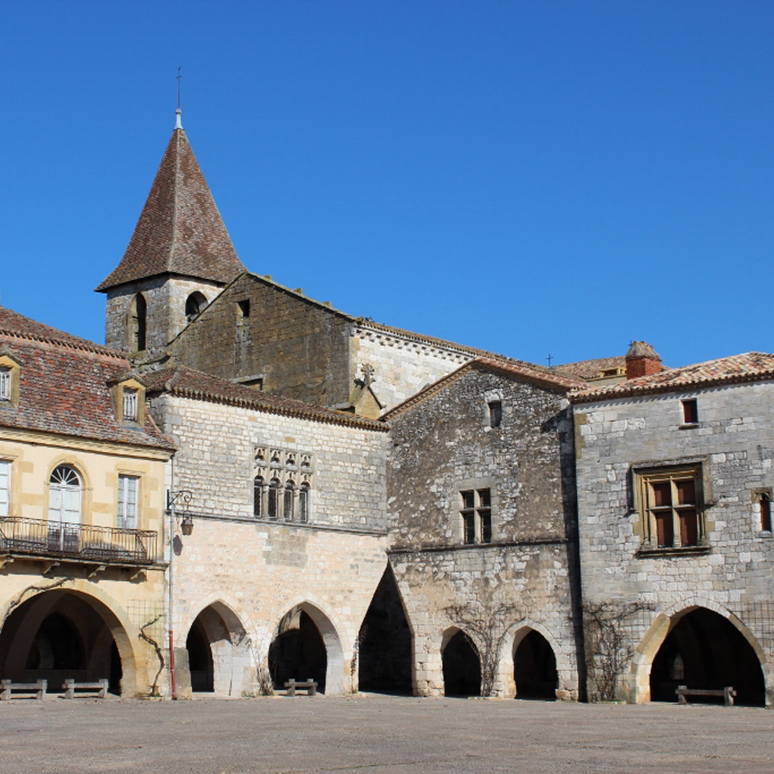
{"points": [[476, 515], [124, 519], [5, 502], [670, 526]]}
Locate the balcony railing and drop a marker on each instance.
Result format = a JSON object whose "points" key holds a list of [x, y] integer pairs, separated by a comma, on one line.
{"points": [[55, 539]]}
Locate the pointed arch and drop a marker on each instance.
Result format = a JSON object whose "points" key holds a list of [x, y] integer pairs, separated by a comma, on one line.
{"points": [[639, 687]]}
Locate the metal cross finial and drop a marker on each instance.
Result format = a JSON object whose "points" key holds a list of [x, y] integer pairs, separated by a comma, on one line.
{"points": [[549, 359], [179, 77]]}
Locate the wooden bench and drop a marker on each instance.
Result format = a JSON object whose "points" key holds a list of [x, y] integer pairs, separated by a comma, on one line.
{"points": [[70, 687], [310, 685], [683, 691], [38, 688]]}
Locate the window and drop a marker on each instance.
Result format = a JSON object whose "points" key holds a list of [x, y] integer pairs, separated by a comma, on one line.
{"points": [[64, 509], [243, 308], [764, 506], [128, 487], [130, 405], [690, 412], [194, 305], [5, 383], [274, 499], [671, 507], [287, 498], [258, 497], [138, 311], [476, 515], [495, 413], [290, 494], [5, 488]]}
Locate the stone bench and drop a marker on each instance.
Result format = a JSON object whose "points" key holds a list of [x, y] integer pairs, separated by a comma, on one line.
{"points": [[8, 688], [683, 691], [100, 686], [310, 685]]}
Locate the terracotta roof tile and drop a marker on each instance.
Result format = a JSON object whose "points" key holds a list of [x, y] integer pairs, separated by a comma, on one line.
{"points": [[525, 372], [64, 386], [189, 383], [180, 230], [591, 369], [749, 367]]}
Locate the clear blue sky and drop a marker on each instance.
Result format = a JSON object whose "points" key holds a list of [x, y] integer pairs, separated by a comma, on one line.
{"points": [[525, 177]]}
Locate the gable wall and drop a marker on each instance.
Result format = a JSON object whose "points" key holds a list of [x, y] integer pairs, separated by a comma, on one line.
{"points": [[300, 349]]}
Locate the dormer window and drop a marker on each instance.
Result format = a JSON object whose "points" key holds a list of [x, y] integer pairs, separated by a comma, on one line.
{"points": [[130, 405], [5, 383]]}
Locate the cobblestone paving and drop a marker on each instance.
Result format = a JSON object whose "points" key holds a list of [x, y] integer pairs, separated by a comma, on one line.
{"points": [[379, 735]]}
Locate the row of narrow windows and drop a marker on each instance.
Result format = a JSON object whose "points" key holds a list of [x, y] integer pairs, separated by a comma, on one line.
{"points": [[277, 503]]}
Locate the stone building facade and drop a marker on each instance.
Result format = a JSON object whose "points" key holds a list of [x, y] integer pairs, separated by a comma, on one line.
{"points": [[482, 500], [675, 483], [82, 485]]}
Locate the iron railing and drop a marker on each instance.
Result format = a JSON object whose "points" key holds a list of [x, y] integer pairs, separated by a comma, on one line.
{"points": [[109, 545]]}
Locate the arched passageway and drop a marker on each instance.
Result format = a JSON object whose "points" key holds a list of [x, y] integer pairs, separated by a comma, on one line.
{"points": [[298, 651], [384, 652], [534, 668], [218, 652], [59, 635], [705, 650], [461, 667]]}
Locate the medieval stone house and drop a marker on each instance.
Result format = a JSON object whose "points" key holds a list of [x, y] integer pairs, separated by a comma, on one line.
{"points": [[674, 497]]}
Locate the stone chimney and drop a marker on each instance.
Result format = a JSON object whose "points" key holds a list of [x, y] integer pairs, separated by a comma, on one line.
{"points": [[641, 360]]}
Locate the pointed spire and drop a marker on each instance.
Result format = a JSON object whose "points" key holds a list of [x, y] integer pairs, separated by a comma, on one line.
{"points": [[180, 230]]}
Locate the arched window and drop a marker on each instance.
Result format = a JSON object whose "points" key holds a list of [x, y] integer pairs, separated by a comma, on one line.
{"points": [[64, 508], [303, 503], [273, 508], [290, 492], [194, 305], [258, 497], [138, 312]]}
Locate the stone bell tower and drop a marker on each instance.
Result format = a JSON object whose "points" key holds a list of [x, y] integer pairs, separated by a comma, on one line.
{"points": [[179, 258]]}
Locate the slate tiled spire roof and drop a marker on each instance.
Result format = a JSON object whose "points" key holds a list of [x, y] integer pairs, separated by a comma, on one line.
{"points": [[65, 386], [180, 230], [748, 367]]}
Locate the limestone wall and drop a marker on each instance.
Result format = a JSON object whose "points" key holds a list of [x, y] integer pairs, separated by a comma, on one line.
{"points": [[522, 580], [733, 443]]}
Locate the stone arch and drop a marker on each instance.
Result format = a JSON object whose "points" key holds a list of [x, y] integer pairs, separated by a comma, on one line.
{"points": [[535, 671], [461, 663], [218, 653], [294, 646], [73, 600], [195, 305], [638, 686], [385, 655]]}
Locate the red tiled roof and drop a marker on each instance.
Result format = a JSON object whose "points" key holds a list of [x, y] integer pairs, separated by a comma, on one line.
{"points": [[591, 369], [180, 230], [64, 386], [749, 367], [524, 372], [189, 383]]}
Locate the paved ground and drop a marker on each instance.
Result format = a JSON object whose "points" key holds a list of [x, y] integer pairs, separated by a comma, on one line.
{"points": [[379, 735]]}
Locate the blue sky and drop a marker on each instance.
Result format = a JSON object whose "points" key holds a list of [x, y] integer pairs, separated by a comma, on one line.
{"points": [[531, 178]]}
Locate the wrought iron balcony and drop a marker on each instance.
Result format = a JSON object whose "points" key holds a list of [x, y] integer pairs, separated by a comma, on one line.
{"points": [[105, 545]]}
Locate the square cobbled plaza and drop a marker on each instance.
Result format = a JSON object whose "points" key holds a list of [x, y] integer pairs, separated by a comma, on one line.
{"points": [[377, 734]]}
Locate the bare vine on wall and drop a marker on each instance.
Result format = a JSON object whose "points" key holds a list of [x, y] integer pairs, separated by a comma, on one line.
{"points": [[608, 650], [485, 626], [154, 688], [31, 591]]}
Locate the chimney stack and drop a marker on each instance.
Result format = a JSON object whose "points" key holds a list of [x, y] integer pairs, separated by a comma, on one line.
{"points": [[641, 360]]}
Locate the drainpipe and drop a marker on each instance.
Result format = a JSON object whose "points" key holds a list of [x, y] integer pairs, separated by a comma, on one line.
{"points": [[171, 513]]}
